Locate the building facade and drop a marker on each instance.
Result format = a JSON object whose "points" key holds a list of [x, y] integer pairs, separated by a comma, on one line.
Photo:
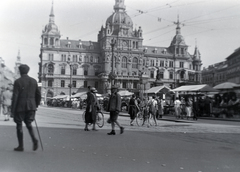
{"points": [[233, 61], [215, 74], [118, 57]]}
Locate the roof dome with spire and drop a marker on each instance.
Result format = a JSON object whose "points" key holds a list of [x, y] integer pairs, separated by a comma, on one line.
{"points": [[119, 18], [51, 27], [178, 38]]}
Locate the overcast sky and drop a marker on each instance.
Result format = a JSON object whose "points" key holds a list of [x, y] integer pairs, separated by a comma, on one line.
{"points": [[213, 24]]}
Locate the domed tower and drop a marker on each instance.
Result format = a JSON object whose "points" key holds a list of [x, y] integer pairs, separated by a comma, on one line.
{"points": [[197, 63], [119, 27], [51, 34], [178, 46], [17, 64]]}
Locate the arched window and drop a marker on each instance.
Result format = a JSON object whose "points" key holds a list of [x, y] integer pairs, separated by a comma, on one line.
{"points": [[124, 62], [135, 63], [50, 69]]}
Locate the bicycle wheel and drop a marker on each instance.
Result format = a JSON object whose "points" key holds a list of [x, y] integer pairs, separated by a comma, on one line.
{"points": [[139, 119], [83, 116], [100, 119]]}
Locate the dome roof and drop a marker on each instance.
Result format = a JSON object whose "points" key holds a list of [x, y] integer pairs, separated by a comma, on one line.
{"points": [[120, 18], [178, 40], [51, 28]]}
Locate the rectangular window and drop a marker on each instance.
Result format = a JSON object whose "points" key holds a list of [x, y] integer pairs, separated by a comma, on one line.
{"points": [[170, 75], [85, 84], [161, 75], [62, 83], [85, 72], [151, 74], [151, 62], [181, 64], [74, 58], [63, 71], [162, 63], [124, 85], [50, 82], [144, 62], [182, 50], [74, 84], [63, 57], [135, 84], [50, 57], [170, 63], [177, 50], [74, 72]]}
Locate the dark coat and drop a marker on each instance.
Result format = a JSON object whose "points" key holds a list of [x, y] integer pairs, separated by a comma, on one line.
{"points": [[26, 95], [114, 103]]}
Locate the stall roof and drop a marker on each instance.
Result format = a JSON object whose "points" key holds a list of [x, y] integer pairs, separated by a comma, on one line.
{"points": [[196, 88], [157, 89], [78, 94], [60, 97]]}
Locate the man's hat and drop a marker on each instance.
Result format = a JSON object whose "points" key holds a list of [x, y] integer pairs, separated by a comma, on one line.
{"points": [[93, 89], [23, 69]]}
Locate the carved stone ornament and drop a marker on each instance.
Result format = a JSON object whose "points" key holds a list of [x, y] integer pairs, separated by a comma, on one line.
{"points": [[112, 75]]}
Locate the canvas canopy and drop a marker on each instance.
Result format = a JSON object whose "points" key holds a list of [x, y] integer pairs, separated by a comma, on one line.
{"points": [[157, 89], [225, 86], [195, 88], [60, 97], [78, 94], [125, 93]]}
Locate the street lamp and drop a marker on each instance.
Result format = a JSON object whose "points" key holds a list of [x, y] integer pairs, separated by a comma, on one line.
{"points": [[112, 75], [70, 84]]}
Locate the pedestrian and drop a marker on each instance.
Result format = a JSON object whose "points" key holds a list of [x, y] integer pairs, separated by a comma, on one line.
{"points": [[6, 103], [133, 108], [94, 106], [25, 100], [88, 112], [177, 106], [152, 103], [159, 108], [188, 104], [114, 107]]}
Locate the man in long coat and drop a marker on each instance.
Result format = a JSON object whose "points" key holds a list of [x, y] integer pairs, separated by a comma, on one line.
{"points": [[25, 100]]}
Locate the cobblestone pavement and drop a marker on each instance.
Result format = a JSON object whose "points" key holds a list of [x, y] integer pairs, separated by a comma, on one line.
{"points": [[68, 118]]}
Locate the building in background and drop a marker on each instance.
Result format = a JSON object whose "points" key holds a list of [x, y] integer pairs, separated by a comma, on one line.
{"points": [[119, 53], [233, 72], [225, 71], [215, 74]]}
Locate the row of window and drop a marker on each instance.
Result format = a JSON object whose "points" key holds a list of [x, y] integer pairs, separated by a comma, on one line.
{"points": [[75, 58]]}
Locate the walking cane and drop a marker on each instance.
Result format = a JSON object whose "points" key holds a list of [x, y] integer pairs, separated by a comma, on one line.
{"points": [[39, 134]]}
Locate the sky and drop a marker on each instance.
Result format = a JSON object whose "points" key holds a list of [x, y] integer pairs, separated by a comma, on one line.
{"points": [[211, 25]]}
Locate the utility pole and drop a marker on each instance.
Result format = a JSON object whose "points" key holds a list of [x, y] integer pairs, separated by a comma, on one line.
{"points": [[112, 75]]}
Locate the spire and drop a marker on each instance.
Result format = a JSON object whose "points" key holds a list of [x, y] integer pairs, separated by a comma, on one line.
{"points": [[18, 57], [197, 55], [119, 5], [178, 29], [51, 16]]}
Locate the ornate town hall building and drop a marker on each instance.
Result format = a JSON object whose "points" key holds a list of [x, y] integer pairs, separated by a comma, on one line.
{"points": [[118, 54]]}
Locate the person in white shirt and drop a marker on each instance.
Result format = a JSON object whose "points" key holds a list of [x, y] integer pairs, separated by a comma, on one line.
{"points": [[152, 103], [177, 106]]}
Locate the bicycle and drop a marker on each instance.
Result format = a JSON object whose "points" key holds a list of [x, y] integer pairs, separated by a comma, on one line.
{"points": [[143, 115], [99, 118]]}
